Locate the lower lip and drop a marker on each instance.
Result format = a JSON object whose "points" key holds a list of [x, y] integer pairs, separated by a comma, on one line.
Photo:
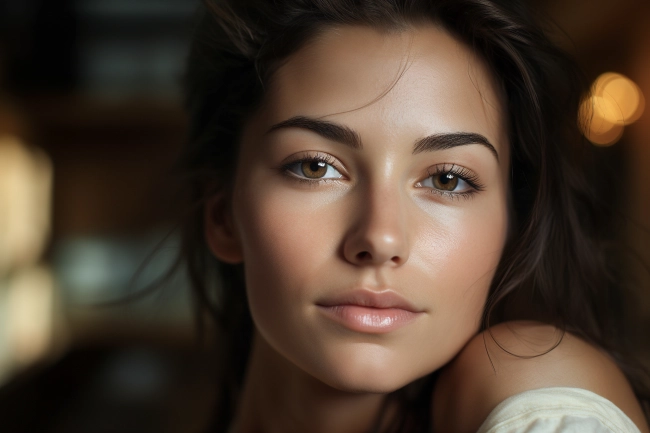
{"points": [[369, 320]]}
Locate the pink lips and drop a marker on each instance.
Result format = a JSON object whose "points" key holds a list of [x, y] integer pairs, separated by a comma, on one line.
{"points": [[370, 312]]}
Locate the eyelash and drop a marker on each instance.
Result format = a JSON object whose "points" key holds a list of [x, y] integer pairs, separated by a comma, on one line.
{"points": [[324, 158], [462, 173]]}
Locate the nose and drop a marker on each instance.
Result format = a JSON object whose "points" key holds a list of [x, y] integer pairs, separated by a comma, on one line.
{"points": [[378, 233]]}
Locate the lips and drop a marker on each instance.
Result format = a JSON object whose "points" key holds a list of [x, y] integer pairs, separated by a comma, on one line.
{"points": [[370, 312]]}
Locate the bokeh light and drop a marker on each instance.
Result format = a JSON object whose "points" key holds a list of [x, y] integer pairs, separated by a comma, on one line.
{"points": [[615, 101], [26, 175]]}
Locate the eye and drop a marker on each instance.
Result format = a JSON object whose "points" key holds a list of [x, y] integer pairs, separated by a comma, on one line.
{"points": [[448, 182], [313, 168], [451, 181]]}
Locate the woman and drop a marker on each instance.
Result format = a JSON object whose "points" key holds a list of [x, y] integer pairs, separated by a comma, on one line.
{"points": [[403, 241]]}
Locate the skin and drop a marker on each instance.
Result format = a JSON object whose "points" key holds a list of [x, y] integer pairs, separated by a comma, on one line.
{"points": [[377, 222], [474, 383]]}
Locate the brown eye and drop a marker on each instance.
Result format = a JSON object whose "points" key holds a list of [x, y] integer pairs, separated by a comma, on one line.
{"points": [[313, 169], [451, 181], [445, 181]]}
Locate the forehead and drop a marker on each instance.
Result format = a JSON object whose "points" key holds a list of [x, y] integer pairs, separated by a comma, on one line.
{"points": [[421, 80]]}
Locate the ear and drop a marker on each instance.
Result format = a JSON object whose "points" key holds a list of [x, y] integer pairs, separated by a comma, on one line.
{"points": [[220, 232]]}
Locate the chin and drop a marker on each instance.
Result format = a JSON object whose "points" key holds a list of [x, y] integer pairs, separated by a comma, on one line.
{"points": [[368, 374], [383, 383]]}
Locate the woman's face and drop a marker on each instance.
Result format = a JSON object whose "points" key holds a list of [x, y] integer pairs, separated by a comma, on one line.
{"points": [[370, 205]]}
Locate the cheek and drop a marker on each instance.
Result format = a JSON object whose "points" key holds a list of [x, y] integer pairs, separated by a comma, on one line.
{"points": [[288, 240], [459, 255]]}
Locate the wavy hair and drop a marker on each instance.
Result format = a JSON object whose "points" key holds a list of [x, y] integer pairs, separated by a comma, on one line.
{"points": [[555, 266]]}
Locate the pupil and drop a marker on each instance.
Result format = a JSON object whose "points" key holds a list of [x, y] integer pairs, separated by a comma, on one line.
{"points": [[446, 182], [314, 169]]}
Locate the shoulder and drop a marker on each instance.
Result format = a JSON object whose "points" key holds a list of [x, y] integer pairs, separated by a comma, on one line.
{"points": [[515, 357]]}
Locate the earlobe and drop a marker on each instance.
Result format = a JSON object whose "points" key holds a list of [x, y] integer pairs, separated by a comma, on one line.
{"points": [[220, 233]]}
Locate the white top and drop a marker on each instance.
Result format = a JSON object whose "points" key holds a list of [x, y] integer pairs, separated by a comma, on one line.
{"points": [[557, 410]]}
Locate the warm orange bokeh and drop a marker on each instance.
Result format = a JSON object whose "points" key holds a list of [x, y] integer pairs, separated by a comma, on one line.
{"points": [[615, 101]]}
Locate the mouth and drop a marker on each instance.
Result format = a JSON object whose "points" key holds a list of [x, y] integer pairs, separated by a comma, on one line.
{"points": [[370, 312]]}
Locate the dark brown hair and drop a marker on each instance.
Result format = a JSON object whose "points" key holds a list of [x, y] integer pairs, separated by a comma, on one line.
{"points": [[555, 267]]}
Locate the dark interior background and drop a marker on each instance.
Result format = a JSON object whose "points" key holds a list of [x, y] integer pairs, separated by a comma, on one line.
{"points": [[94, 84]]}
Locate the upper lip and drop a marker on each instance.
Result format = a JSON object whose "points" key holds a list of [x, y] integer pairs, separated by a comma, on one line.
{"points": [[372, 299]]}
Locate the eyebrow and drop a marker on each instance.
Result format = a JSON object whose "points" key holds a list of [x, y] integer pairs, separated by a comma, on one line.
{"points": [[329, 130], [344, 135], [449, 140]]}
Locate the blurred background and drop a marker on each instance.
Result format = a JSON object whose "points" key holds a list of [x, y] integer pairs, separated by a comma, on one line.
{"points": [[90, 125]]}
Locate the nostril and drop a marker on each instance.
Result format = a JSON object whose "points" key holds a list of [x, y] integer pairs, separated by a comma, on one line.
{"points": [[363, 255]]}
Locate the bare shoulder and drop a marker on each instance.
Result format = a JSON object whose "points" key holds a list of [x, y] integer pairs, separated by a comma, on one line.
{"points": [[514, 357]]}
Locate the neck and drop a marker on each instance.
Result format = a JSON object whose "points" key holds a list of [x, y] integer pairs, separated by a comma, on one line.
{"points": [[278, 397]]}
